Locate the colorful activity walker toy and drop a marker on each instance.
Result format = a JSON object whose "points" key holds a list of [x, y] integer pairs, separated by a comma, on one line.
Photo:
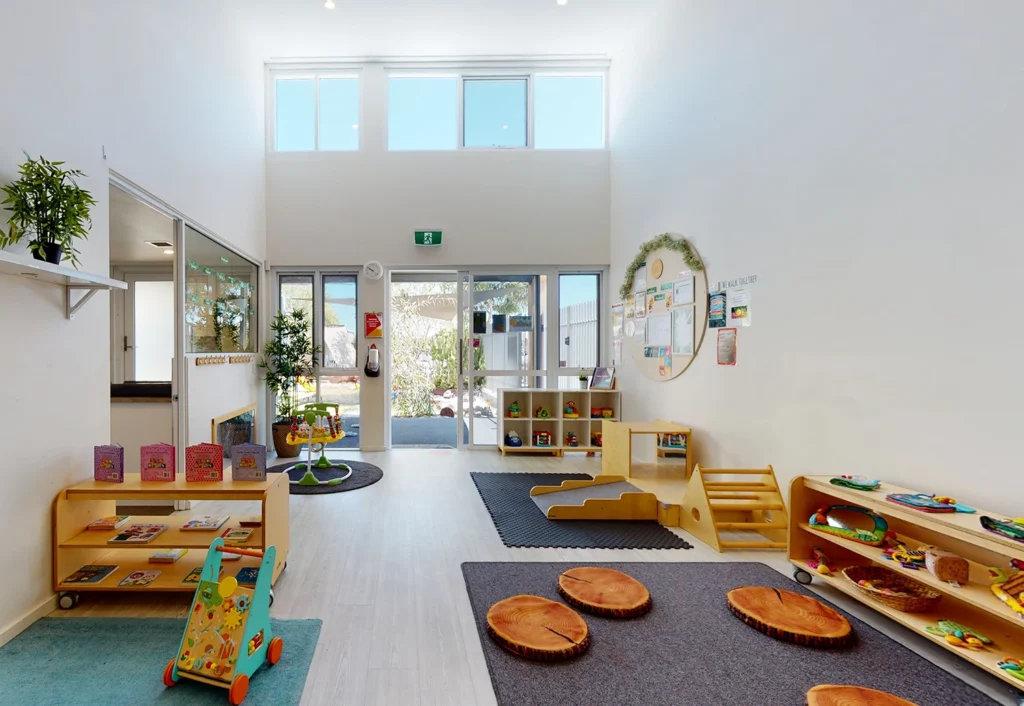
{"points": [[315, 426], [228, 635]]}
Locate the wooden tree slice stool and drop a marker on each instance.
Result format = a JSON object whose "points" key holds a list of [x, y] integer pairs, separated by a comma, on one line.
{"points": [[832, 695], [605, 592], [538, 628], [789, 616]]}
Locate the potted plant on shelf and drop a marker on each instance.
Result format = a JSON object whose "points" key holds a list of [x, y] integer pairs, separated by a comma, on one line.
{"points": [[288, 357], [48, 206], [584, 381]]}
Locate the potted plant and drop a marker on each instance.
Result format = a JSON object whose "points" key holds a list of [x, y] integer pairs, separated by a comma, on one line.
{"points": [[289, 356], [48, 206], [584, 381]]}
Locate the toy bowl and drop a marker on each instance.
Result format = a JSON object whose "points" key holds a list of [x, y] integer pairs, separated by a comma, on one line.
{"points": [[595, 412], [607, 413], [919, 598]]}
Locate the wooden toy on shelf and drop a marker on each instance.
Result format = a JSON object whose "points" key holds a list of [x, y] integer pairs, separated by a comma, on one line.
{"points": [[541, 439], [856, 482], [571, 440], [571, 411], [958, 635], [843, 520], [555, 411], [928, 503], [542, 413], [514, 411], [228, 635]]}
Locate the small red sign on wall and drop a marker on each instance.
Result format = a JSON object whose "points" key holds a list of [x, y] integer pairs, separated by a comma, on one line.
{"points": [[374, 325]]}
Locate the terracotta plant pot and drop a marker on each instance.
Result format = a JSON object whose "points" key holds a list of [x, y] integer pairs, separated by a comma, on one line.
{"points": [[284, 449]]}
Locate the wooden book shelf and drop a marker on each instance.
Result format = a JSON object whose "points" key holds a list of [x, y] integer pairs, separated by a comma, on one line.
{"points": [[77, 506], [973, 604]]}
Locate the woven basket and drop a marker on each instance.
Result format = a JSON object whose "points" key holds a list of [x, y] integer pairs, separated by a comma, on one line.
{"points": [[922, 599]]}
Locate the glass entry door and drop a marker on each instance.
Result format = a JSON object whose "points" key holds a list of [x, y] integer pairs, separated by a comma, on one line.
{"points": [[502, 324]]}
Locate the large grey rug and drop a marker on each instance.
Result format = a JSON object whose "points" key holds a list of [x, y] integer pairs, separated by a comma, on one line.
{"points": [[690, 650], [363, 474], [520, 523]]}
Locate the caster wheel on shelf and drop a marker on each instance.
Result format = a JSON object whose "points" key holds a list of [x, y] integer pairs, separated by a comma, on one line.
{"points": [[271, 596], [274, 650], [67, 600], [239, 688], [802, 577], [169, 679]]}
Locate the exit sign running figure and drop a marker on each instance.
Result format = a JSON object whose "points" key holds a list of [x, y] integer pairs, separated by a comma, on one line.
{"points": [[428, 237]]}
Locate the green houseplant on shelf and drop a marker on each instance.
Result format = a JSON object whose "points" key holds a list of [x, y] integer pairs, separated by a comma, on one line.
{"points": [[584, 381], [49, 207], [289, 358]]}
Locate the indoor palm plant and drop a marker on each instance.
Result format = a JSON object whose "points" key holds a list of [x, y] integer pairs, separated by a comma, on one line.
{"points": [[288, 357], [48, 206]]}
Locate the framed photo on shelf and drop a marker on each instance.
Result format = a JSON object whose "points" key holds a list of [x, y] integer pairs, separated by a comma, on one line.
{"points": [[603, 379]]}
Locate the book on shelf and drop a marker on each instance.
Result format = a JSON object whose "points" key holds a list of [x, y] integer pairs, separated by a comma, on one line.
{"points": [[248, 462], [167, 556], [140, 578], [196, 574], [111, 522], [204, 462], [138, 534], [252, 521], [157, 462], [247, 576], [108, 463], [91, 573], [205, 523], [235, 536]]}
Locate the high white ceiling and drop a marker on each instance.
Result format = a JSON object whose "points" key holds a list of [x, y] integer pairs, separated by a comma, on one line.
{"points": [[451, 28], [132, 223]]}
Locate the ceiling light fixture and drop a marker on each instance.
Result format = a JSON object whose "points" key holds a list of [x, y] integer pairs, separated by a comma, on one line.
{"points": [[168, 252], [329, 4], [563, 2], [160, 244]]}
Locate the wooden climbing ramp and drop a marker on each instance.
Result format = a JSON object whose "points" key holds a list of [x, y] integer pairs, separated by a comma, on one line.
{"points": [[601, 498], [735, 500]]}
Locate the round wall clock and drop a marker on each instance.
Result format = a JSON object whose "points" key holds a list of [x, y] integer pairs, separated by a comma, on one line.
{"points": [[373, 270]]}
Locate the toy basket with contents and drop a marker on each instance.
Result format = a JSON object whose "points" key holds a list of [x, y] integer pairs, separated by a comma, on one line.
{"points": [[894, 590], [228, 636]]}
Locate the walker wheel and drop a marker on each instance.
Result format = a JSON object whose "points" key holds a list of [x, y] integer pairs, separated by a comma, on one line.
{"points": [[67, 600], [169, 674], [275, 650], [802, 577], [239, 688]]}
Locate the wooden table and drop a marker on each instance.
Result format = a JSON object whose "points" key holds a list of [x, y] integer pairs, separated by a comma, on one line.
{"points": [[77, 506], [617, 458]]}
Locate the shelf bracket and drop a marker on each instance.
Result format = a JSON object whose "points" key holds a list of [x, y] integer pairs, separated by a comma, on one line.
{"points": [[71, 309]]}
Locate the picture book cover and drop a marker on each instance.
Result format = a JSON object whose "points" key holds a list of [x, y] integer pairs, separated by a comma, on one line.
{"points": [[91, 573], [108, 463], [196, 574], [137, 534], [234, 536], [247, 576], [249, 462], [140, 578], [205, 523], [167, 556], [157, 462], [111, 522], [204, 462]]}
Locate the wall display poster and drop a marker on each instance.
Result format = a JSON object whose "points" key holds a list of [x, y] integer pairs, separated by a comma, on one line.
{"points": [[374, 324], [716, 310], [659, 330], [479, 322], [682, 331], [640, 309], [727, 346], [660, 305], [617, 352], [651, 294], [640, 278], [667, 290], [630, 305], [617, 316], [682, 291], [520, 323], [648, 352], [739, 306], [498, 323], [665, 369]]}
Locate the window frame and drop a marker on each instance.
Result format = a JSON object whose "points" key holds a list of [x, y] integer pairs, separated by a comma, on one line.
{"points": [[603, 75], [276, 75], [401, 74], [490, 76]]}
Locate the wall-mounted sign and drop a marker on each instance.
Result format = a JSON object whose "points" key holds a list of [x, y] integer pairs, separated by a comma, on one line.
{"points": [[428, 237], [374, 325]]}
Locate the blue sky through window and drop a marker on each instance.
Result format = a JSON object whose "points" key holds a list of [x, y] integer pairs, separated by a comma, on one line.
{"points": [[568, 112], [423, 113], [296, 114], [495, 113], [576, 289], [339, 114]]}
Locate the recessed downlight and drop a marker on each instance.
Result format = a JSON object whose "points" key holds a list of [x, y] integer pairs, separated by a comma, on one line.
{"points": [[168, 252], [563, 2], [329, 4]]}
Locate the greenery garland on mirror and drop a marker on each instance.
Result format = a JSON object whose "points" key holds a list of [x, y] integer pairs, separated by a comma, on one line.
{"points": [[662, 241]]}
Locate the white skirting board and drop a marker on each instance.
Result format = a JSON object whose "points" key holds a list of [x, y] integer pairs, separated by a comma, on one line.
{"points": [[18, 626]]}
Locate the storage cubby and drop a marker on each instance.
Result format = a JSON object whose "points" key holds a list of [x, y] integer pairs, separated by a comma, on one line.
{"points": [[525, 401], [581, 428], [557, 425], [551, 427], [548, 400]]}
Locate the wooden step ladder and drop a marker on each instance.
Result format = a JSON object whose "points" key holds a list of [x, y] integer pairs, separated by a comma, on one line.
{"points": [[735, 499]]}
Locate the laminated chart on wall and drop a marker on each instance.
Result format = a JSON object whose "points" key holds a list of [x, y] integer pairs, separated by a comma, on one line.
{"points": [[717, 309]]}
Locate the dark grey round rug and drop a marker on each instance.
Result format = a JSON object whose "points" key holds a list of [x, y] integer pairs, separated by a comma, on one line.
{"points": [[363, 474]]}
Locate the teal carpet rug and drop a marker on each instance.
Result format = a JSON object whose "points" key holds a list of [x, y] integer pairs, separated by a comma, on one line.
{"points": [[104, 661]]}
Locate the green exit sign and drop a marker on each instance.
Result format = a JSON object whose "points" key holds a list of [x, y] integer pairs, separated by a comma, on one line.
{"points": [[428, 237]]}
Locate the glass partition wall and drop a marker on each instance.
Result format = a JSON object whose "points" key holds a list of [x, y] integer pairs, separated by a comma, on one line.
{"points": [[220, 298]]}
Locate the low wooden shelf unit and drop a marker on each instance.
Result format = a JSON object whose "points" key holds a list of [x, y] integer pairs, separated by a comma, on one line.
{"points": [[77, 506]]}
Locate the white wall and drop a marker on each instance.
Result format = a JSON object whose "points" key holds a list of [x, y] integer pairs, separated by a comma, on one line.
{"points": [[863, 159], [177, 102], [216, 390]]}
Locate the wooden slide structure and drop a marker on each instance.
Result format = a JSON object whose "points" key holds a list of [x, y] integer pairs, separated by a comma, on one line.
{"points": [[735, 499], [605, 497]]}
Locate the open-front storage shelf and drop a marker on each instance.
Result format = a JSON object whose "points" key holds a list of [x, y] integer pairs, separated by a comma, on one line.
{"points": [[558, 425], [972, 604], [76, 507]]}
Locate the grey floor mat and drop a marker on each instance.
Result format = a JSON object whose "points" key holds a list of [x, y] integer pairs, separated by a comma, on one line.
{"points": [[581, 495], [690, 650], [520, 523]]}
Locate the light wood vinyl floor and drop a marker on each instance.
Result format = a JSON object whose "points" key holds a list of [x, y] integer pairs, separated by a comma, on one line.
{"points": [[381, 567]]}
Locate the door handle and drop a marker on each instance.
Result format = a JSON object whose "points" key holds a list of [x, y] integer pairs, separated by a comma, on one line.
{"points": [[126, 346]]}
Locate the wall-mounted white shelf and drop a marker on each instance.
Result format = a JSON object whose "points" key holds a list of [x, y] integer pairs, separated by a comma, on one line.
{"points": [[67, 277]]}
